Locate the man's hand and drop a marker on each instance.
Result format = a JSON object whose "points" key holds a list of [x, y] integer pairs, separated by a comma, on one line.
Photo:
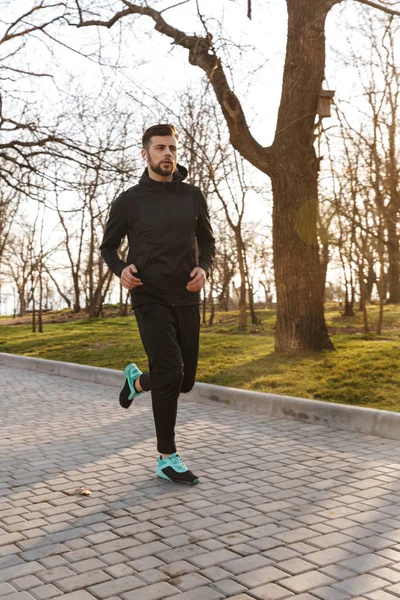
{"points": [[128, 279], [198, 280]]}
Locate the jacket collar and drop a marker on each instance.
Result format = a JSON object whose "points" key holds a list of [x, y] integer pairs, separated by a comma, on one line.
{"points": [[179, 175]]}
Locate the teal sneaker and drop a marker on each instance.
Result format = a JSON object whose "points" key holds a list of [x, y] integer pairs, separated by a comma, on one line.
{"points": [[128, 392], [173, 469]]}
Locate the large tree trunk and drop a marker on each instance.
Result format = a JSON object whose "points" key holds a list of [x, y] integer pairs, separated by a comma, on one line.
{"points": [[301, 323], [299, 277]]}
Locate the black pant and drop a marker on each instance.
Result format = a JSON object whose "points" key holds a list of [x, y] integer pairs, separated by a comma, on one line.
{"points": [[170, 336]]}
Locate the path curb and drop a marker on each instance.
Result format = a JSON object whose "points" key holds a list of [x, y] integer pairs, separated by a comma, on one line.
{"points": [[380, 423]]}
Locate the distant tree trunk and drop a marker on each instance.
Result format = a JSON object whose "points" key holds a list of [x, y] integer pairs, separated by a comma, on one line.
{"points": [[77, 292], [382, 282], [254, 319], [123, 302], [324, 264], [40, 311], [250, 290], [242, 273], [102, 289], [211, 301], [22, 303], [363, 304], [204, 307], [33, 313], [393, 249]]}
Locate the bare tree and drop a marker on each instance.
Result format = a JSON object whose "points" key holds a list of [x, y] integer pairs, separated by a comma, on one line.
{"points": [[290, 161]]}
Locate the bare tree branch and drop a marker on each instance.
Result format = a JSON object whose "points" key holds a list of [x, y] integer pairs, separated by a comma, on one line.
{"points": [[386, 9], [203, 55]]}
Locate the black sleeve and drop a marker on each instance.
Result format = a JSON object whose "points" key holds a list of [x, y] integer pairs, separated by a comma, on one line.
{"points": [[116, 229], [204, 236]]}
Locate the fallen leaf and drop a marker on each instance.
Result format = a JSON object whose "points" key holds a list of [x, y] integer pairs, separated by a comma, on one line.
{"points": [[82, 491]]}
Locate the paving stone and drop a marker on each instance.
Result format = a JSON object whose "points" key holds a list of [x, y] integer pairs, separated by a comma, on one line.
{"points": [[228, 587], [328, 593], [79, 595], [82, 581], [55, 573], [388, 574], [152, 576], [6, 589], [247, 563], [365, 563], [215, 573], [116, 586], [381, 595], [120, 570], [240, 597], [337, 572], [261, 576], [146, 550], [213, 558], [152, 592], [361, 585], [306, 581], [177, 554], [26, 583], [296, 565], [90, 564], [20, 570], [327, 557], [180, 568], [20, 596], [189, 581], [270, 591], [201, 593], [44, 551], [395, 589], [44, 592]]}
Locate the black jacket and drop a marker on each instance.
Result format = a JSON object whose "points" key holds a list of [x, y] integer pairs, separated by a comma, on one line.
{"points": [[169, 233]]}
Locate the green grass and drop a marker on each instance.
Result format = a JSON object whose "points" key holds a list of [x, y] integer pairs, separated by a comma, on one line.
{"points": [[364, 370]]}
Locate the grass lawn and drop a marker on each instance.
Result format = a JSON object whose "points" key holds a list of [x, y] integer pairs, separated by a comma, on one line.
{"points": [[364, 370]]}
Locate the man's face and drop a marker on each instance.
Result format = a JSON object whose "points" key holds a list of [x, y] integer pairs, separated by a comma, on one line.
{"points": [[162, 154]]}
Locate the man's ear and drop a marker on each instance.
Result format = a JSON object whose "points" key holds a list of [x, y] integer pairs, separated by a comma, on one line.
{"points": [[144, 154]]}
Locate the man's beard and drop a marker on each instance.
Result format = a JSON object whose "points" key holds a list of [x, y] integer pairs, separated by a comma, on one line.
{"points": [[162, 168]]}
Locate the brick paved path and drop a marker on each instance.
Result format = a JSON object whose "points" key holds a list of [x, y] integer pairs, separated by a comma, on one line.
{"points": [[283, 510]]}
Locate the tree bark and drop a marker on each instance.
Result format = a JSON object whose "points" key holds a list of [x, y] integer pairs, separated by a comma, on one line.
{"points": [[301, 323], [212, 304], [363, 303], [204, 308], [242, 272], [393, 250]]}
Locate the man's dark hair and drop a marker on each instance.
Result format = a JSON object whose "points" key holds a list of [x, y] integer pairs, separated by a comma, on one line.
{"points": [[160, 129]]}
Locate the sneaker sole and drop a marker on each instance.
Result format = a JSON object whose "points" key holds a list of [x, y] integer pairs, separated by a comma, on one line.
{"points": [[161, 474], [124, 396]]}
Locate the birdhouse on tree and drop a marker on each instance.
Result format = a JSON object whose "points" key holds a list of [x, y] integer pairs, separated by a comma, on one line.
{"points": [[325, 102]]}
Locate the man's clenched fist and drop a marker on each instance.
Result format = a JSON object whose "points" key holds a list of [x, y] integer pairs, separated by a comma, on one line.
{"points": [[198, 280], [128, 279]]}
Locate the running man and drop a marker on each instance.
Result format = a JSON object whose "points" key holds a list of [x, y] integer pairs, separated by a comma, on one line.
{"points": [[171, 250]]}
